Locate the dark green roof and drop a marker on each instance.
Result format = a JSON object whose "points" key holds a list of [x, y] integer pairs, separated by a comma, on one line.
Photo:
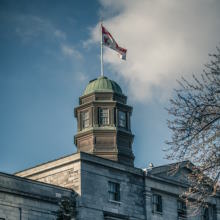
{"points": [[102, 84]]}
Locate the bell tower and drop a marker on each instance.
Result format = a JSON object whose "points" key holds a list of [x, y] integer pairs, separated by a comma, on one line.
{"points": [[103, 122]]}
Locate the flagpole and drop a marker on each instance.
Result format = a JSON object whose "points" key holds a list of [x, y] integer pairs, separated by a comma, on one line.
{"points": [[102, 72]]}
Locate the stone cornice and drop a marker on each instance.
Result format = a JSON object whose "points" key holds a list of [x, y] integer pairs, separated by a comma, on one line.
{"points": [[21, 186], [49, 165]]}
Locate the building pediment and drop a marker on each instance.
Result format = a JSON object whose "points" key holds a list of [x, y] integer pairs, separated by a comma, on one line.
{"points": [[176, 172]]}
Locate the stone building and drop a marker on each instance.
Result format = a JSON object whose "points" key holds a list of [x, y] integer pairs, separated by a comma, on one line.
{"points": [[101, 173]]}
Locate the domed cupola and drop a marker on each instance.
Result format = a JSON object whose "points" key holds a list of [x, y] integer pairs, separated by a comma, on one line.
{"points": [[102, 84], [103, 122]]}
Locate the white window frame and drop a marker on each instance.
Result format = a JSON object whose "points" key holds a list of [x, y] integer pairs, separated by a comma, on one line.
{"points": [[104, 116], [113, 191], [85, 119]]}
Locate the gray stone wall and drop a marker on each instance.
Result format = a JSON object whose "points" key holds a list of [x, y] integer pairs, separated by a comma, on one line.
{"points": [[170, 191], [68, 178], [89, 175], [22, 199], [63, 172], [95, 175], [136, 194]]}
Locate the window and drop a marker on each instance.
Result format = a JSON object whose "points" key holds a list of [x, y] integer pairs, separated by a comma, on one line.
{"points": [[206, 214], [181, 209], [104, 116], [157, 203], [113, 191], [85, 119], [122, 119], [214, 212]]}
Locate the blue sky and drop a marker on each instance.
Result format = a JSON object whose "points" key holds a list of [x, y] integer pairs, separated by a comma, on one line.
{"points": [[49, 50]]}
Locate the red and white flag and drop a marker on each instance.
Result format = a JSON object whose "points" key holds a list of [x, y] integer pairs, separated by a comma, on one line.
{"points": [[109, 41]]}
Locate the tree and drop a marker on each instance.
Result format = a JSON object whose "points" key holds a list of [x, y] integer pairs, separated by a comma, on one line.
{"points": [[195, 126], [67, 208]]}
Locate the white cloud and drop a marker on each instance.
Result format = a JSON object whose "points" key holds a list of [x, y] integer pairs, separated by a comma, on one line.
{"points": [[29, 27], [70, 51], [81, 77], [60, 34], [165, 39]]}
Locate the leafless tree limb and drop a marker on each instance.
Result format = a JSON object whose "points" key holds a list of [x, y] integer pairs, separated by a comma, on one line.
{"points": [[195, 124]]}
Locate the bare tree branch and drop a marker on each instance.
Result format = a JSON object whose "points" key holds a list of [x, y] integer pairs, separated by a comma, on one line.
{"points": [[195, 124]]}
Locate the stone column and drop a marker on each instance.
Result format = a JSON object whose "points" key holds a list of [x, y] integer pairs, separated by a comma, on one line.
{"points": [[147, 199], [78, 121]]}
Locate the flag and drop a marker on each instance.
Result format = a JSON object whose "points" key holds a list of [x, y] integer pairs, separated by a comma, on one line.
{"points": [[109, 41]]}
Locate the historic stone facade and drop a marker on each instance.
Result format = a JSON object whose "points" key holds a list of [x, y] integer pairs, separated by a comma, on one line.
{"points": [[137, 188], [21, 198], [101, 173]]}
